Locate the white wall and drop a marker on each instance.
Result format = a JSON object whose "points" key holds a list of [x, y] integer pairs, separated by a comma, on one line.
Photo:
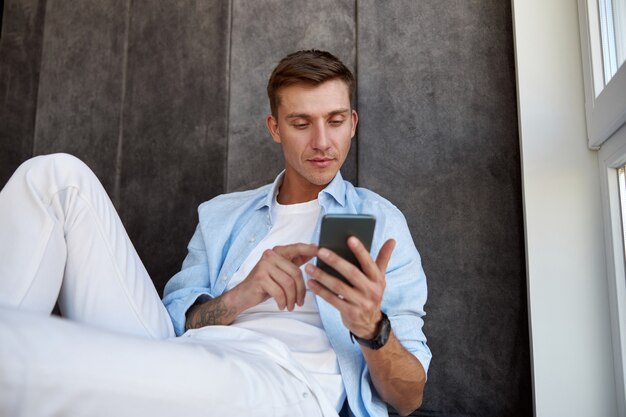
{"points": [[567, 286]]}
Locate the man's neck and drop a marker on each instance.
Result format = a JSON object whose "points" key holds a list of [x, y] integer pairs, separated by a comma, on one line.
{"points": [[291, 193]]}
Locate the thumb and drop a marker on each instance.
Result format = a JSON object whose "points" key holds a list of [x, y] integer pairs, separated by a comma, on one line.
{"points": [[382, 260], [298, 253]]}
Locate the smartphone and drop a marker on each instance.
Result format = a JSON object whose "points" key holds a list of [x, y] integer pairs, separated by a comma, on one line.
{"points": [[334, 234]]}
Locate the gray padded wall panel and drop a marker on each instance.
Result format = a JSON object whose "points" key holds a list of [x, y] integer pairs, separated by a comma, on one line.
{"points": [[174, 126], [20, 59], [80, 86], [262, 33], [438, 122], [166, 102]]}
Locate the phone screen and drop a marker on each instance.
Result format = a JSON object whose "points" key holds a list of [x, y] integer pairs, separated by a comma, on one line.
{"points": [[334, 234]]}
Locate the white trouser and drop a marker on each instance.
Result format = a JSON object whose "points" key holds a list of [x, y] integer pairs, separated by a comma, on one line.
{"points": [[60, 237]]}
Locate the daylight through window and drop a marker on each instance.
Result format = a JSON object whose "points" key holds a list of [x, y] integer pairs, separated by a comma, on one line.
{"points": [[612, 16]]}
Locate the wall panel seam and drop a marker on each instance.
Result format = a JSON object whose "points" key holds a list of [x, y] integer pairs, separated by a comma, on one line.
{"points": [[41, 19], [229, 49], [120, 135], [356, 90]]}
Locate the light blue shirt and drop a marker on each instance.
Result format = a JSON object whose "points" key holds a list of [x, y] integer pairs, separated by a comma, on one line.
{"points": [[231, 225]]}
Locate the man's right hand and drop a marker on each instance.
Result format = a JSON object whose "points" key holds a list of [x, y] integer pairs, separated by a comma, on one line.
{"points": [[276, 275]]}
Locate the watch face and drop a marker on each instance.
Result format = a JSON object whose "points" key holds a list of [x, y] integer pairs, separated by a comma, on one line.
{"points": [[381, 338], [383, 332]]}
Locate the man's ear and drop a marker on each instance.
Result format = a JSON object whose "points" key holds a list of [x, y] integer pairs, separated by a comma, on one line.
{"points": [[355, 120], [272, 127]]}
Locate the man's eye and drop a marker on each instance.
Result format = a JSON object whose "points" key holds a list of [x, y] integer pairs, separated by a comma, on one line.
{"points": [[336, 122], [300, 125]]}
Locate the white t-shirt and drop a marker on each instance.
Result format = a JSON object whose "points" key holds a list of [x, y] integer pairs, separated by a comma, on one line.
{"points": [[301, 329]]}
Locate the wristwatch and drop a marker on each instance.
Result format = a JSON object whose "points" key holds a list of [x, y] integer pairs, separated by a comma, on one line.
{"points": [[381, 337]]}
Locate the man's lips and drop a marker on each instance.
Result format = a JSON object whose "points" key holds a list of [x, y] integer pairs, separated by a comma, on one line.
{"points": [[320, 162]]}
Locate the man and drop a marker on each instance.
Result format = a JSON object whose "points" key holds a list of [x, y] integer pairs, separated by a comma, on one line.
{"points": [[271, 335]]}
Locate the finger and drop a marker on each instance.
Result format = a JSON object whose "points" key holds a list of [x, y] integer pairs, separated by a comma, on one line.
{"points": [[349, 271], [332, 283], [298, 253], [288, 286], [286, 275], [294, 274], [382, 260], [271, 287], [340, 303], [368, 266]]}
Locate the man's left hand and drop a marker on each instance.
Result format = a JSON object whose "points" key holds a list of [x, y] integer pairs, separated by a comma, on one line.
{"points": [[359, 304], [397, 375]]}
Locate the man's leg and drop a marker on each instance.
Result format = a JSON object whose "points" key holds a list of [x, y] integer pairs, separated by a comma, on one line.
{"points": [[60, 236], [50, 366]]}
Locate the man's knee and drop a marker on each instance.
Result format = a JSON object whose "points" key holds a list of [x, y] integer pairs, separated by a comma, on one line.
{"points": [[62, 159], [56, 162]]}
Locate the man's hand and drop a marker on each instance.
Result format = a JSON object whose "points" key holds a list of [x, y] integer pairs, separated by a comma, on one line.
{"points": [[397, 375], [276, 275], [359, 304]]}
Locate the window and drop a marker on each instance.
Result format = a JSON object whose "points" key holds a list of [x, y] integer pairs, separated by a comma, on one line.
{"points": [[613, 35], [621, 180], [603, 47], [612, 163]]}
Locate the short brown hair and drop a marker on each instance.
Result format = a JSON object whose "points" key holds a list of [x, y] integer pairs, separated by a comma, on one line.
{"points": [[311, 67]]}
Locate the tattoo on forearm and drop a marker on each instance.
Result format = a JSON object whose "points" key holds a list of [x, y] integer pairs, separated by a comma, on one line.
{"points": [[214, 312]]}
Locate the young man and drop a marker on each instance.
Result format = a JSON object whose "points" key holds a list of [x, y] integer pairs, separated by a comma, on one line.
{"points": [[265, 332]]}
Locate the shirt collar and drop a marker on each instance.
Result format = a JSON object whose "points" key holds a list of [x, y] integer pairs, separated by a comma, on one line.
{"points": [[335, 189]]}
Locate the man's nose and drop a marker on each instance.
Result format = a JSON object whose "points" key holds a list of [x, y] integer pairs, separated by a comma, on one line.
{"points": [[321, 137]]}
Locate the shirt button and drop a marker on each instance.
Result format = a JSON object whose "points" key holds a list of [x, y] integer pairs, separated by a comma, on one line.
{"points": [[305, 395], [225, 278], [252, 239]]}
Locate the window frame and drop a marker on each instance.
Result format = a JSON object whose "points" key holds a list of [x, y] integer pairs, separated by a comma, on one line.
{"points": [[611, 157], [605, 109]]}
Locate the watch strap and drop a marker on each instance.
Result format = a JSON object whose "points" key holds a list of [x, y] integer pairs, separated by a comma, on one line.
{"points": [[381, 337]]}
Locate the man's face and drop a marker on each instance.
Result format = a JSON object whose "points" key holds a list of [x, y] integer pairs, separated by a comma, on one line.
{"points": [[314, 125]]}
